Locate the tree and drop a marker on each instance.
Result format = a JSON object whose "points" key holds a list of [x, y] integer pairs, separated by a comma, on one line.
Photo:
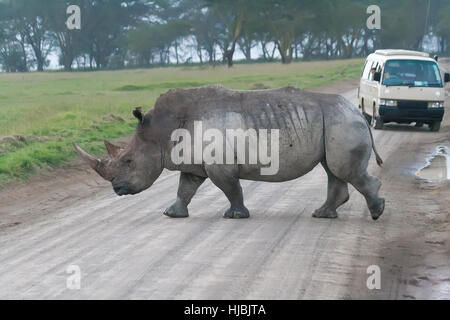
{"points": [[286, 19], [68, 41], [13, 51], [232, 15], [30, 19], [403, 28], [349, 19], [141, 43], [103, 24], [12, 54], [443, 29], [247, 40], [204, 27]]}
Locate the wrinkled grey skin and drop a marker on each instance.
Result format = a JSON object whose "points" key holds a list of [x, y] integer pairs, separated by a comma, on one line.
{"points": [[314, 128]]}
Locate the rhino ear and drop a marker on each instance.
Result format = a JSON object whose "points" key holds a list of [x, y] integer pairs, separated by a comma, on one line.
{"points": [[138, 114]]}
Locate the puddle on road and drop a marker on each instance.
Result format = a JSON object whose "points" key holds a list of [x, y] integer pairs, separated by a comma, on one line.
{"points": [[438, 167]]}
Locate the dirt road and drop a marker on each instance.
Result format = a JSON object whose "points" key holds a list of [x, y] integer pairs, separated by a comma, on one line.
{"points": [[126, 248]]}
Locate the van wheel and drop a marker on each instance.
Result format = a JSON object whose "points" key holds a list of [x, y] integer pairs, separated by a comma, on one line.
{"points": [[435, 126], [376, 122]]}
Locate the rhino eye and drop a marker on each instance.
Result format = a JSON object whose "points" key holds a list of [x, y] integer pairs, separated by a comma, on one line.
{"points": [[128, 162]]}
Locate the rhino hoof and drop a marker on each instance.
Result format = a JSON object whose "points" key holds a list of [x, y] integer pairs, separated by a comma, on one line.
{"points": [[325, 213], [377, 210], [176, 211], [237, 213]]}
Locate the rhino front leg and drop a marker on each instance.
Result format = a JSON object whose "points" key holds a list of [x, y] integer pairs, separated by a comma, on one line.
{"points": [[226, 178], [187, 187]]}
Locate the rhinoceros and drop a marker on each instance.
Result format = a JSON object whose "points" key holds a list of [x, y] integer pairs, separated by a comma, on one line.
{"points": [[313, 128]]}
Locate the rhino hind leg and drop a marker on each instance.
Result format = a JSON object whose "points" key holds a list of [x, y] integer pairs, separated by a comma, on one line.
{"points": [[337, 195], [348, 150], [369, 186], [225, 177], [354, 171], [187, 187]]}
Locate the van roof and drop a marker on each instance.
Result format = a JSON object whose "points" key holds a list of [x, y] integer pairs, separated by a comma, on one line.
{"points": [[396, 52], [388, 54]]}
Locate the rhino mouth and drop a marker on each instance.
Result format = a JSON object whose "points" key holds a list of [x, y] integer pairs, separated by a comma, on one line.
{"points": [[123, 190]]}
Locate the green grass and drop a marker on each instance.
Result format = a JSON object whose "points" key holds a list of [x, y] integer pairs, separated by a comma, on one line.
{"points": [[53, 109]]}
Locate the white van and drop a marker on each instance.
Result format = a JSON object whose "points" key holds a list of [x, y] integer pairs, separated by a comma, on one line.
{"points": [[402, 86]]}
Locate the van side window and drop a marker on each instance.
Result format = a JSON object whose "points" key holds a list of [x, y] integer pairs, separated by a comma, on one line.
{"points": [[372, 70], [366, 71], [380, 68]]}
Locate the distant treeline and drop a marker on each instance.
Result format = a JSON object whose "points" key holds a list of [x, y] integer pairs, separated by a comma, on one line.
{"points": [[118, 34]]}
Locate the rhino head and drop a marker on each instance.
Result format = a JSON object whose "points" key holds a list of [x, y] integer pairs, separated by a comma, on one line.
{"points": [[133, 168]]}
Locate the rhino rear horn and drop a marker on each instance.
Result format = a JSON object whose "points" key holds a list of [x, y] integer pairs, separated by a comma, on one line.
{"points": [[113, 150]]}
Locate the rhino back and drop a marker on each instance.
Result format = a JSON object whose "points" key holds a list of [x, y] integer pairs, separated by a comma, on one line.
{"points": [[297, 114]]}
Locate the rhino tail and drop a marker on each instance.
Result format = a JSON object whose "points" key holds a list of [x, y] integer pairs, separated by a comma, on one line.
{"points": [[377, 156]]}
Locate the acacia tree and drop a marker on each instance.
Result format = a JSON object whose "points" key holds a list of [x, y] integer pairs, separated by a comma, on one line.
{"points": [[13, 51], [174, 32], [13, 55], [103, 25], [30, 19], [140, 42], [286, 19], [403, 28], [68, 41], [443, 29], [349, 19], [249, 33], [232, 15], [204, 27]]}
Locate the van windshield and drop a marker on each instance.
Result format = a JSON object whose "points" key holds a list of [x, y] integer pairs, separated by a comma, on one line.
{"points": [[412, 73]]}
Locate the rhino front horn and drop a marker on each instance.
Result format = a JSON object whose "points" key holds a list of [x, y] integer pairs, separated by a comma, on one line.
{"points": [[100, 166], [90, 160]]}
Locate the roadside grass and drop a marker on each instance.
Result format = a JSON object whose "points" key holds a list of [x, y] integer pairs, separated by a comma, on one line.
{"points": [[50, 110]]}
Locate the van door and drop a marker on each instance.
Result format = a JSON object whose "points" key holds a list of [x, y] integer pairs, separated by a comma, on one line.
{"points": [[361, 88], [372, 89], [365, 92]]}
